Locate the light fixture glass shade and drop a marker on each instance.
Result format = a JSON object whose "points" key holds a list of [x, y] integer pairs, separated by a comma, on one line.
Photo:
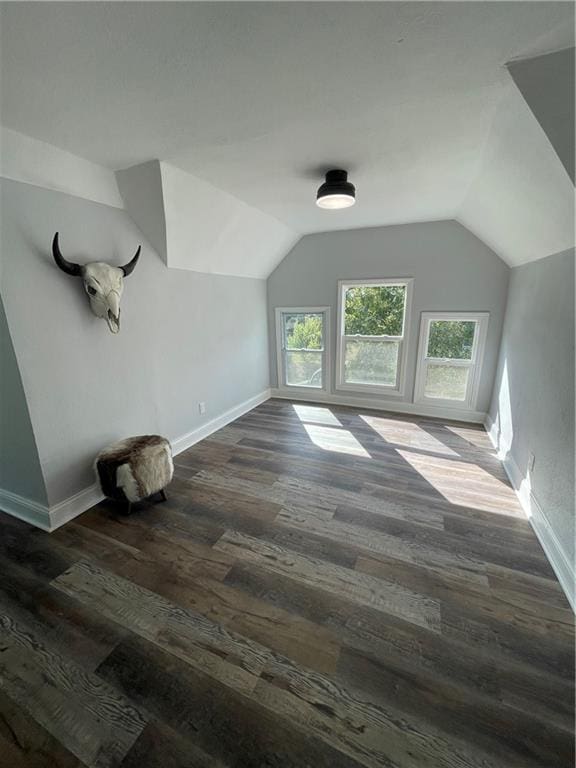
{"points": [[332, 202], [336, 192]]}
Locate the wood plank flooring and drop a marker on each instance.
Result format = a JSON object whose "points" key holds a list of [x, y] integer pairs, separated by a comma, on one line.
{"points": [[325, 587]]}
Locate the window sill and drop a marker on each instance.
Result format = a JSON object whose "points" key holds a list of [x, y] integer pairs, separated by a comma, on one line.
{"points": [[375, 389], [300, 388], [460, 405]]}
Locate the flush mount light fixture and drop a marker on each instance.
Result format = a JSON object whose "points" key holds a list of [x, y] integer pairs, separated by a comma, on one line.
{"points": [[336, 192]]}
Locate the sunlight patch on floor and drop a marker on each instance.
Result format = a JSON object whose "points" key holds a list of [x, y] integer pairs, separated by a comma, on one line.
{"points": [[475, 437], [318, 415], [444, 477], [406, 433], [337, 440]]}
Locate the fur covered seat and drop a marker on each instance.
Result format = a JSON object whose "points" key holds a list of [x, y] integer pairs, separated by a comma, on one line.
{"points": [[133, 469]]}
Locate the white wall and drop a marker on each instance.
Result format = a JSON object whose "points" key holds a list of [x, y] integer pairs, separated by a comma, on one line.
{"points": [[532, 409], [141, 190], [452, 270], [184, 337], [209, 230], [23, 158]]}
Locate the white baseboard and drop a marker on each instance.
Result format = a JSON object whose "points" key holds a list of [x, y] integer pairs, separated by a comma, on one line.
{"points": [[191, 438], [74, 505], [25, 509], [46, 517], [557, 558], [550, 542], [410, 409], [49, 518]]}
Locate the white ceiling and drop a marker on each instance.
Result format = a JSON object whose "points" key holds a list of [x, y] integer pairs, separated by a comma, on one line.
{"points": [[259, 98]]}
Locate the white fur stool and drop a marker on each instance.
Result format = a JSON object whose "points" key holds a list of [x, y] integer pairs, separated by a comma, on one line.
{"points": [[135, 468]]}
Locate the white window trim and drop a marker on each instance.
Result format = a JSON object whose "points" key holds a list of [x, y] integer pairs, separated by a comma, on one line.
{"points": [[475, 364], [400, 388], [279, 311]]}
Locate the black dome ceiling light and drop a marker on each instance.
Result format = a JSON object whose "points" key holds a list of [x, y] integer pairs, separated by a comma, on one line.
{"points": [[336, 192]]}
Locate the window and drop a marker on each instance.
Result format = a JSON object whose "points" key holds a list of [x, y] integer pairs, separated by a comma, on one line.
{"points": [[302, 347], [373, 325], [450, 356]]}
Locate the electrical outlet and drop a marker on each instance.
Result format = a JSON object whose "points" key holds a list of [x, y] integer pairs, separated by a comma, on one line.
{"points": [[531, 462], [201, 408]]}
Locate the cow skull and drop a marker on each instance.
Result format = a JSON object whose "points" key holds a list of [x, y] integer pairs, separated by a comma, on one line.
{"points": [[102, 282]]}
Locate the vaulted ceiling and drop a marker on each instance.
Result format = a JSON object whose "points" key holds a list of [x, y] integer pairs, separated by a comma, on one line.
{"points": [[259, 99]]}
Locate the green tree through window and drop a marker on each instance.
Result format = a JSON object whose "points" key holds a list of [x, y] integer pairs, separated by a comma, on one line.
{"points": [[306, 333], [375, 310], [452, 339]]}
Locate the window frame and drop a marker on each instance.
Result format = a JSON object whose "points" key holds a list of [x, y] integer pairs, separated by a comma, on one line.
{"points": [[280, 349], [474, 365], [341, 384]]}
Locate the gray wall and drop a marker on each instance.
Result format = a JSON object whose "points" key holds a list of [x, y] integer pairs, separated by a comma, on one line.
{"points": [[452, 270], [185, 337], [20, 470], [533, 403]]}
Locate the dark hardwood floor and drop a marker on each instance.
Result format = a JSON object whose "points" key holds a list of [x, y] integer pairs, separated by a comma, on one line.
{"points": [[324, 588]]}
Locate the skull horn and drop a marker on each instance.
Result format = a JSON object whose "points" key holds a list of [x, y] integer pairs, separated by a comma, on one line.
{"points": [[66, 266], [129, 268]]}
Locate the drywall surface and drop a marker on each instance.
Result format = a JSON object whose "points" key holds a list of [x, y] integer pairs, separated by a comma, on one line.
{"points": [[521, 201], [23, 158], [141, 190], [20, 471], [189, 222], [547, 84], [532, 409], [260, 99], [185, 337], [452, 270], [209, 230]]}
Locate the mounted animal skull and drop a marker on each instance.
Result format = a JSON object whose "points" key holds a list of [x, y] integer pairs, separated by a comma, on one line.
{"points": [[103, 283]]}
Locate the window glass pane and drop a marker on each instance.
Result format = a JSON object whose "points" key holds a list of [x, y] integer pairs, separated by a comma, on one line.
{"points": [[304, 369], [452, 339], [371, 362], [303, 330], [446, 382], [375, 310]]}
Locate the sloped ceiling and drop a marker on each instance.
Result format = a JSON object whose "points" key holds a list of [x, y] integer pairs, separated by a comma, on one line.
{"points": [[257, 100], [547, 84], [194, 225], [521, 200]]}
